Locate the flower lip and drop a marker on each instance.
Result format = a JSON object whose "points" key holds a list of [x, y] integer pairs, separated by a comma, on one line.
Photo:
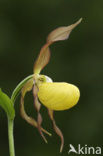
{"points": [[58, 96]]}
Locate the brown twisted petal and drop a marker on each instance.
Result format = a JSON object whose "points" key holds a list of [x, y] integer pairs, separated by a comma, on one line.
{"points": [[57, 130], [28, 86], [38, 106]]}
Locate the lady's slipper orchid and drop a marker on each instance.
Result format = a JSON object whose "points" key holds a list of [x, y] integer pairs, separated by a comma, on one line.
{"points": [[54, 95]]}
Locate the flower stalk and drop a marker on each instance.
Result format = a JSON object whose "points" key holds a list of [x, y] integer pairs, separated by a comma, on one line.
{"points": [[15, 93], [11, 137]]}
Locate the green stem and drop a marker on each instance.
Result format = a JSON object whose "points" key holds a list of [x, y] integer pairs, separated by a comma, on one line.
{"points": [[11, 138], [11, 122]]}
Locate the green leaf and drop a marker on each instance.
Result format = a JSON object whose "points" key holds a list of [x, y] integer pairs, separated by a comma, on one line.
{"points": [[7, 104]]}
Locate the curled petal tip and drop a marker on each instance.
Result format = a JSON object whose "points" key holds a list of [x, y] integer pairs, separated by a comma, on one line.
{"points": [[46, 132], [80, 20], [61, 149], [45, 139]]}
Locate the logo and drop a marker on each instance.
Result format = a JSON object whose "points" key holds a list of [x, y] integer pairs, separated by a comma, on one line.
{"points": [[84, 149]]}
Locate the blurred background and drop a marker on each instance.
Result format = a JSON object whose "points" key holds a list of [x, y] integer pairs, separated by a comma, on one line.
{"points": [[24, 26]]}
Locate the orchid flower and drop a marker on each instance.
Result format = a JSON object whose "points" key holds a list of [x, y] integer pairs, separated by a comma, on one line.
{"points": [[55, 96]]}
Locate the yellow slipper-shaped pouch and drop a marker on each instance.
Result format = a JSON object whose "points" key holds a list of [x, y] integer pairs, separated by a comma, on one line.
{"points": [[58, 96]]}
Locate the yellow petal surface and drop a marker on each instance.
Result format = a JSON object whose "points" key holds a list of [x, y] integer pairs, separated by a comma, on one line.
{"points": [[58, 96]]}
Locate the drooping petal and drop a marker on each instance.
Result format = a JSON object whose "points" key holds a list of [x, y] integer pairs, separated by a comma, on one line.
{"points": [[58, 96], [61, 33], [57, 130], [28, 86], [38, 106]]}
